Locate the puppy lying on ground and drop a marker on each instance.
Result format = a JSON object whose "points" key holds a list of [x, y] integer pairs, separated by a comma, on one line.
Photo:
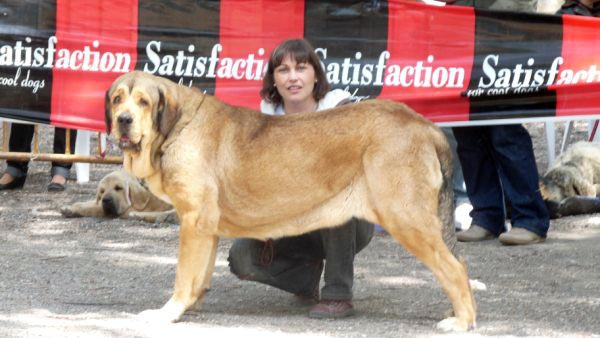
{"points": [[571, 186], [121, 195]]}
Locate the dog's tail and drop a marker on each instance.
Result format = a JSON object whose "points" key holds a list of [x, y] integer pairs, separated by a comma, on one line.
{"points": [[446, 194]]}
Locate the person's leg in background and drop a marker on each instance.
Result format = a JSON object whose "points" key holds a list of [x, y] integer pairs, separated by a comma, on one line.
{"points": [[462, 205], [60, 170], [483, 184], [292, 264], [340, 245], [16, 171], [520, 181]]}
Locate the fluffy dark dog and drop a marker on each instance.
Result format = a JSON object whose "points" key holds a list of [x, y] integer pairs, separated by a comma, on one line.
{"points": [[571, 186]]}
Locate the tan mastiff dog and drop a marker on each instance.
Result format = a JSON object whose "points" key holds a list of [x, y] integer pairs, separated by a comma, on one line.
{"points": [[119, 194], [235, 172]]}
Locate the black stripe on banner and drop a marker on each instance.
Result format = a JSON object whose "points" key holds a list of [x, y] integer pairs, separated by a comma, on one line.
{"points": [[25, 78], [350, 37], [513, 52], [178, 40]]}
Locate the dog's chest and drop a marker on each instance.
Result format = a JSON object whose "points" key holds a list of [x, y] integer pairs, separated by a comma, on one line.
{"points": [[154, 183]]}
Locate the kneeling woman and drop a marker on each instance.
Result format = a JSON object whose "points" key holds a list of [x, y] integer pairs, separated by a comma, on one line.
{"points": [[295, 83]]}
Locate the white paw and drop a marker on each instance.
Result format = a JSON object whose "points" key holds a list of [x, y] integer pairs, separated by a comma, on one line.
{"points": [[169, 313], [452, 324], [477, 285]]}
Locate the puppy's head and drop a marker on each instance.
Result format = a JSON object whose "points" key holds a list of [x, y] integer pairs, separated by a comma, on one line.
{"points": [[112, 193], [559, 183], [139, 107], [120, 192]]}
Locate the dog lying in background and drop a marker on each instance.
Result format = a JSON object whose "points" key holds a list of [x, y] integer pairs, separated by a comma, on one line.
{"points": [[571, 186], [121, 195]]}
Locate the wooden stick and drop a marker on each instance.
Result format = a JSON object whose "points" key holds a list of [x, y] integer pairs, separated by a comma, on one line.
{"points": [[13, 156], [67, 141], [36, 138], [99, 143], [5, 135]]}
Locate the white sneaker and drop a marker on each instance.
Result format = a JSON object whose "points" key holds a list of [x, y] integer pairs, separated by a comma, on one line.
{"points": [[462, 220]]}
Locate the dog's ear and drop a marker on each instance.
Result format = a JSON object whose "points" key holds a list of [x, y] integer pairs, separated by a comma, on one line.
{"points": [[137, 195], [98, 194], [107, 112], [167, 110]]}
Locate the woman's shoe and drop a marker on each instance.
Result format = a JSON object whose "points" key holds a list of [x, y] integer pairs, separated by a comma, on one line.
{"points": [[56, 186], [16, 183]]}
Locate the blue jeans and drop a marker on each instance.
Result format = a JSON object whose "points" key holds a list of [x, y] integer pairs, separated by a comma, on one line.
{"points": [[498, 161]]}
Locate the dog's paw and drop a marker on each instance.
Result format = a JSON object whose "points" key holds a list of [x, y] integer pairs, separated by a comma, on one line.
{"points": [[476, 285], [158, 316], [169, 313], [454, 324], [134, 215], [168, 218], [68, 212]]}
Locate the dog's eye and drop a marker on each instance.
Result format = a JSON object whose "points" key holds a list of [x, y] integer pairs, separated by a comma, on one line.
{"points": [[144, 103], [116, 100], [101, 191], [118, 188]]}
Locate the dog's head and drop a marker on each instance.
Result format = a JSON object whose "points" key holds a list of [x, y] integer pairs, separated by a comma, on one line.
{"points": [[118, 192], [559, 183], [140, 108]]}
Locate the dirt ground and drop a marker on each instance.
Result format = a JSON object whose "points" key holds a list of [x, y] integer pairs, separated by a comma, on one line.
{"points": [[90, 277]]}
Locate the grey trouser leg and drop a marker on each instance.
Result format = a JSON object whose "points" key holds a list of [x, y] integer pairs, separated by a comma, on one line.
{"points": [[341, 244], [294, 264]]}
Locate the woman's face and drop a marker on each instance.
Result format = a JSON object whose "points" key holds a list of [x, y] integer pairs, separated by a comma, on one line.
{"points": [[294, 81]]}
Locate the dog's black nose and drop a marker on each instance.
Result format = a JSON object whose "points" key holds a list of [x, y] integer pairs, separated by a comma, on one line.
{"points": [[125, 119], [109, 207]]}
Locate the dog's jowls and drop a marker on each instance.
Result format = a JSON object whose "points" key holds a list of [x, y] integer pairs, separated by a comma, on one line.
{"points": [[235, 172]]}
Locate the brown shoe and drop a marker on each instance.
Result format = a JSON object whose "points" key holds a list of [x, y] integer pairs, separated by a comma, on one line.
{"points": [[520, 236], [475, 233], [332, 309], [308, 299]]}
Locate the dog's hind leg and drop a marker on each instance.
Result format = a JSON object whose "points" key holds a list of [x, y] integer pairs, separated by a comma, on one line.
{"points": [[426, 243], [405, 196]]}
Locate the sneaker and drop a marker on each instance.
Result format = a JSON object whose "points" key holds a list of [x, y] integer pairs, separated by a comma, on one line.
{"points": [[474, 234], [332, 309], [462, 219], [520, 236]]}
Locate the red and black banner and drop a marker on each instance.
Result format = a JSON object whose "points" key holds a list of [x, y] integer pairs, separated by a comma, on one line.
{"points": [[455, 65]]}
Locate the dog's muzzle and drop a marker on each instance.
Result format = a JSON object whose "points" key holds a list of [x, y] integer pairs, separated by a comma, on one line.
{"points": [[124, 122], [109, 207]]}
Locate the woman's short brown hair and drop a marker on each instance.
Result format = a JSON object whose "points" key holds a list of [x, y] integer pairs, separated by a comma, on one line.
{"points": [[302, 52]]}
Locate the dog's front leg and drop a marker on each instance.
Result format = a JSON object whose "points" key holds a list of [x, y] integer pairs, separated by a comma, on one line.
{"points": [[82, 209], [197, 253]]}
